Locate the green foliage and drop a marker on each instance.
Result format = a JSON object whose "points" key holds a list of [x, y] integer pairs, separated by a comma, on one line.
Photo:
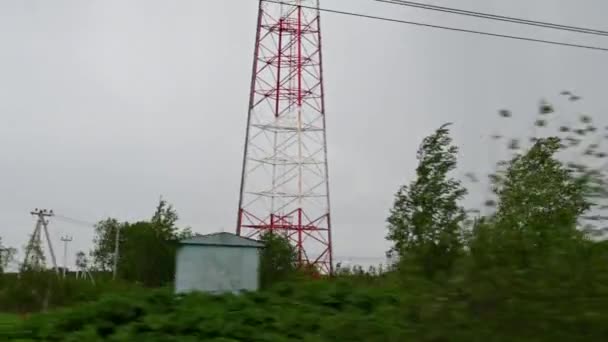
{"points": [[525, 272], [33, 291], [8, 322], [146, 256], [582, 151], [164, 221], [425, 224], [82, 262], [146, 248], [537, 189], [315, 311], [104, 244], [7, 255], [277, 260], [358, 271], [344, 309], [529, 266], [539, 203]]}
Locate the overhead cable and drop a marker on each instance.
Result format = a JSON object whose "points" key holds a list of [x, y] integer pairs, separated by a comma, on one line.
{"points": [[399, 21], [496, 17]]}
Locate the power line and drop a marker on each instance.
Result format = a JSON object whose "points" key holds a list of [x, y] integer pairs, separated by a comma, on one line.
{"points": [[497, 17], [496, 35], [74, 221], [90, 224]]}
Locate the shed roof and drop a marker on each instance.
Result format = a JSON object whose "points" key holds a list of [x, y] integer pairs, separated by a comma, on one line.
{"points": [[222, 239]]}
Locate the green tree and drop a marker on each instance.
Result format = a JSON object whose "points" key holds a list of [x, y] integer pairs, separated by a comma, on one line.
{"points": [[425, 223], [146, 256], [528, 259], [82, 262], [581, 151], [539, 201], [533, 239], [277, 260], [7, 255], [105, 244], [146, 248], [164, 219]]}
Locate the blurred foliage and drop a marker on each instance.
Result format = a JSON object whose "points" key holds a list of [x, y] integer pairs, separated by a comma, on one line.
{"points": [[425, 223], [146, 248], [7, 256], [527, 271], [147, 258], [34, 291], [578, 144], [278, 260], [104, 244], [500, 304]]}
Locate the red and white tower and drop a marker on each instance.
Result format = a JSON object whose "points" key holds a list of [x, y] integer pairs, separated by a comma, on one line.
{"points": [[284, 184]]}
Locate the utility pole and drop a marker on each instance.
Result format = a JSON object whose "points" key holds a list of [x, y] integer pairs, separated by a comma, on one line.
{"points": [[66, 239], [33, 252], [116, 251]]}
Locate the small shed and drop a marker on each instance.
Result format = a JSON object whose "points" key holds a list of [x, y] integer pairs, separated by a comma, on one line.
{"points": [[216, 263]]}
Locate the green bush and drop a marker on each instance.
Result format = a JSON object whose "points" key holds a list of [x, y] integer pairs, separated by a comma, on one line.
{"points": [[397, 307], [522, 273], [38, 291], [277, 260]]}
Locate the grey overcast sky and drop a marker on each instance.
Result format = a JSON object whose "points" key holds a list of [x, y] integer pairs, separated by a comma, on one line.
{"points": [[106, 105]]}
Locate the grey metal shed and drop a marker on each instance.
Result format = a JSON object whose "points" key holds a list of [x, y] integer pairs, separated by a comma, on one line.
{"points": [[216, 263]]}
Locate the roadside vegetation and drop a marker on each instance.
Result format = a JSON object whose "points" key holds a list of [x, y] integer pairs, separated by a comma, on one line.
{"points": [[533, 268]]}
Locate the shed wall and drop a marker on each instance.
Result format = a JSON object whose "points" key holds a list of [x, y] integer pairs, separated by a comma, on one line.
{"points": [[216, 269]]}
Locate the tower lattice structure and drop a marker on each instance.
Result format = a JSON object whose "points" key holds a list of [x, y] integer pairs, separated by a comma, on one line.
{"points": [[284, 185]]}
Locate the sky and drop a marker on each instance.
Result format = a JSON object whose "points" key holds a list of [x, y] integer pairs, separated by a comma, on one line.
{"points": [[107, 105]]}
